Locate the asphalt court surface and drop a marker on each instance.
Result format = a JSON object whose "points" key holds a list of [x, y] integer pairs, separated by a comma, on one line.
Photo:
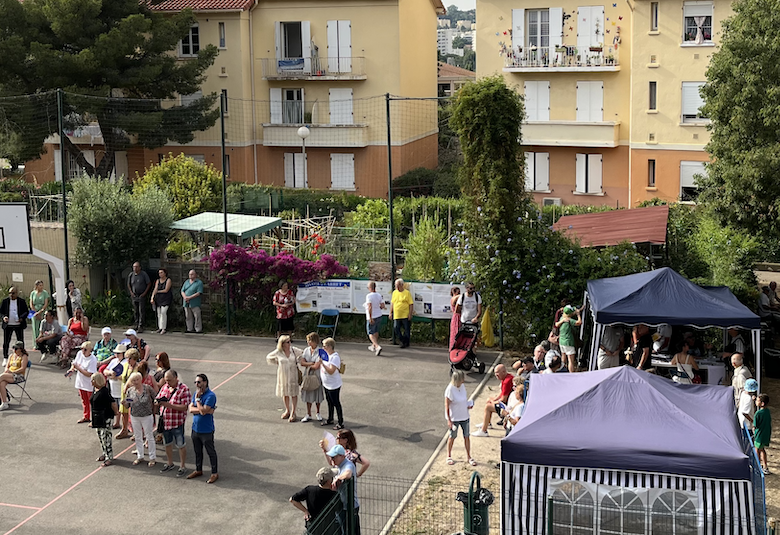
{"points": [[51, 483]]}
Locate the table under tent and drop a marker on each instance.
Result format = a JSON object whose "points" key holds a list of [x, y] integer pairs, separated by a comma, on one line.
{"points": [[664, 296], [620, 451]]}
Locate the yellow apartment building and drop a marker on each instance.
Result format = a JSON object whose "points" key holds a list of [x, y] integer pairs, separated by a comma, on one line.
{"points": [[325, 64], [611, 93]]}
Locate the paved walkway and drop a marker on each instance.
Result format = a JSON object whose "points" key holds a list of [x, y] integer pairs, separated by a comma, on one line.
{"points": [[51, 482]]}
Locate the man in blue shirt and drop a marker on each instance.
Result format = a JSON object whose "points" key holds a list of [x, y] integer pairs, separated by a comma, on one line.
{"points": [[202, 408], [191, 292], [347, 472]]}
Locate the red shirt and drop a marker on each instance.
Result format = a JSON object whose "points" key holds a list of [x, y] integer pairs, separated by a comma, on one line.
{"points": [[181, 396], [506, 386], [284, 298]]}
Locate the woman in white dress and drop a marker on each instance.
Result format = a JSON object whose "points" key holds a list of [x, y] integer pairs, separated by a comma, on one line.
{"points": [[285, 357], [310, 361]]}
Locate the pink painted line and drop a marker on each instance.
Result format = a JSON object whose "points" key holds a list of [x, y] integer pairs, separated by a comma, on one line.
{"points": [[19, 506], [214, 361], [232, 376]]}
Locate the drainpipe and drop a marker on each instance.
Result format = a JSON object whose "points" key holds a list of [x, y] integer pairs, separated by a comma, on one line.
{"points": [[252, 85]]}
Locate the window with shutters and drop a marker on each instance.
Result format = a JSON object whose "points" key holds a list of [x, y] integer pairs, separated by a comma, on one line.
{"points": [[653, 16], [74, 168], [692, 103], [295, 170], [537, 100], [339, 46], [292, 106], [537, 171], [589, 174], [341, 106], [222, 35], [590, 102], [342, 171], [590, 28], [538, 27], [189, 46], [186, 100], [293, 46], [292, 40], [697, 23], [689, 189]]}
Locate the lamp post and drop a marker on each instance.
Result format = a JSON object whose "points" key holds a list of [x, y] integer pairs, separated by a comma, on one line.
{"points": [[303, 133]]}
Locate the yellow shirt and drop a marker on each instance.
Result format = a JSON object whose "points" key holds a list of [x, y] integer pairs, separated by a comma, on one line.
{"points": [[15, 365], [401, 301]]}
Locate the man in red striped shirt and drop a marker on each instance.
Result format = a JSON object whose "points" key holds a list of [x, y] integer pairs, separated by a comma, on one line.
{"points": [[172, 400]]}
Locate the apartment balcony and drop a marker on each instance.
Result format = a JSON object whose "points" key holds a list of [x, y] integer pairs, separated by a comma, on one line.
{"points": [[314, 68], [564, 59], [571, 134], [335, 123], [320, 135]]}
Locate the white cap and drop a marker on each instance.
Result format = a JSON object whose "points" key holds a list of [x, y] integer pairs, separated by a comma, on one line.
{"points": [[131, 332], [106, 330]]}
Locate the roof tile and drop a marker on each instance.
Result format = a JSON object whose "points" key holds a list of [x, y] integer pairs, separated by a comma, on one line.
{"points": [[202, 5]]}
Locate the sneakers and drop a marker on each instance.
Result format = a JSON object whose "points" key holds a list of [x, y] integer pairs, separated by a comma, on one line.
{"points": [[3, 406], [5, 362], [766, 471], [378, 350], [479, 433], [306, 418], [319, 418], [371, 348]]}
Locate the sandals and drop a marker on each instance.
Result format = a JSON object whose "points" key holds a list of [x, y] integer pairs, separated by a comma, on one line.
{"points": [[107, 462], [152, 463], [472, 462], [83, 421], [450, 461], [100, 459], [137, 462], [293, 419], [285, 415], [338, 427]]}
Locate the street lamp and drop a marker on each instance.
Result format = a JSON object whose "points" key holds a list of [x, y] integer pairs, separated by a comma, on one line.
{"points": [[303, 133]]}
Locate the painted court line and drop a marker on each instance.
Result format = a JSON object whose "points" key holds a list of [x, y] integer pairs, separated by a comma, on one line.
{"points": [[99, 468], [213, 361], [19, 506]]}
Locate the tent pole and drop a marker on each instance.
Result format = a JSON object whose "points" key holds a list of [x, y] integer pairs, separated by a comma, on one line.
{"points": [[757, 349]]}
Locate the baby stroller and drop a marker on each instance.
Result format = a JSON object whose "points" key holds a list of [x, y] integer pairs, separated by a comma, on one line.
{"points": [[462, 354]]}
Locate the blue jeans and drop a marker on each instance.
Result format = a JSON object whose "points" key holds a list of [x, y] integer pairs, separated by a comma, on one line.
{"points": [[404, 325]]}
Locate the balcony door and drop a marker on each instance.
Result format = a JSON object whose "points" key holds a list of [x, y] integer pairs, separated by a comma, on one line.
{"points": [[287, 106], [293, 46]]}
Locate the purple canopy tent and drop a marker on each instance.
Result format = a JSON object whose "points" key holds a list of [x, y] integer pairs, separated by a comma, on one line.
{"points": [[624, 451]]}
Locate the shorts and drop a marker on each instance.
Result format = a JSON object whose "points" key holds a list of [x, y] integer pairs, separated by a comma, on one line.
{"points": [[174, 435], [17, 378], [373, 329], [463, 424], [285, 325], [568, 350]]}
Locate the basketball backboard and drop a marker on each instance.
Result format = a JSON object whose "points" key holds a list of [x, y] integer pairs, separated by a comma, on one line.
{"points": [[15, 234]]}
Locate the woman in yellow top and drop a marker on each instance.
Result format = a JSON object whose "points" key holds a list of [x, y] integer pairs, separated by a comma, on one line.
{"points": [[14, 372], [132, 356]]}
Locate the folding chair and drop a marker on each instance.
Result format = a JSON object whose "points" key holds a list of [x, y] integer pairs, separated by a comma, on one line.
{"points": [[22, 384], [326, 314]]}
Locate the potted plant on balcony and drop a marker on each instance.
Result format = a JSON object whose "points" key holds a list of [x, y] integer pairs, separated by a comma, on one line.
{"points": [[560, 49], [597, 48], [610, 59]]}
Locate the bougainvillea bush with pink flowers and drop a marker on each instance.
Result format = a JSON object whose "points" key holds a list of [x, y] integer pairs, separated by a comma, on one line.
{"points": [[254, 274]]}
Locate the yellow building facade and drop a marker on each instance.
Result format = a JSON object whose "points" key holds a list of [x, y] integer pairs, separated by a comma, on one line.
{"points": [[611, 94], [325, 64]]}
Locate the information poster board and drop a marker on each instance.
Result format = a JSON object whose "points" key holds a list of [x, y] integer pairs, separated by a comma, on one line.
{"points": [[431, 300]]}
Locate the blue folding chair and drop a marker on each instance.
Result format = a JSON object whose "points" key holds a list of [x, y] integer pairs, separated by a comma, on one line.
{"points": [[327, 315], [22, 385]]}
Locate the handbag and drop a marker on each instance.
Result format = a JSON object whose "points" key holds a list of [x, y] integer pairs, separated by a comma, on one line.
{"points": [[300, 376], [311, 381]]}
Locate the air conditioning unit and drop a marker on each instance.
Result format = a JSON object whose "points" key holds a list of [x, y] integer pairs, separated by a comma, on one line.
{"points": [[552, 201]]}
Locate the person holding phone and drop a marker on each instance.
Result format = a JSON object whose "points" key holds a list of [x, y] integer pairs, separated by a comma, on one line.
{"points": [[202, 408], [456, 410]]}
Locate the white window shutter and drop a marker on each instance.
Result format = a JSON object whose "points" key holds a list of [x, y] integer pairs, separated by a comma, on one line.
{"points": [[121, 168], [278, 38], [345, 46], [276, 105], [89, 155], [583, 101], [594, 173], [556, 29], [530, 182], [581, 165], [306, 45], [301, 168], [584, 23], [531, 101], [289, 170], [57, 165], [596, 95], [342, 171], [597, 16], [340, 104], [518, 30], [542, 162], [688, 170], [691, 98], [543, 101], [333, 46]]}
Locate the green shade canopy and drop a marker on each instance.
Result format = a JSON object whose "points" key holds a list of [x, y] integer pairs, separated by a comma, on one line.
{"points": [[243, 226]]}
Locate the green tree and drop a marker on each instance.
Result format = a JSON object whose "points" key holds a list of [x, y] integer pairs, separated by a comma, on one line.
{"points": [[114, 226], [427, 251], [460, 42], [191, 186], [742, 101], [98, 50]]}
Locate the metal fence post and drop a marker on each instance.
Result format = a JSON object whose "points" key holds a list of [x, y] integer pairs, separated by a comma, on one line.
{"points": [[351, 507], [222, 108], [64, 166], [390, 197], [549, 515]]}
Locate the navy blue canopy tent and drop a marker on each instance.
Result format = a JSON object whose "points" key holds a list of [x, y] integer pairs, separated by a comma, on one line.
{"points": [[621, 432], [665, 296]]}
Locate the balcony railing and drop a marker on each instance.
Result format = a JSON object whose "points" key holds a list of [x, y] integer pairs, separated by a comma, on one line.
{"points": [[314, 68], [563, 58]]}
